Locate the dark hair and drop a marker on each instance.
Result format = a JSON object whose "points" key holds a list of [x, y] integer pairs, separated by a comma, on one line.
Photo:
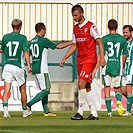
{"points": [[39, 26], [128, 26], [112, 24], [77, 7]]}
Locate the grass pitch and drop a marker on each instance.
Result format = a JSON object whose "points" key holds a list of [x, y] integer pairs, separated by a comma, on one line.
{"points": [[63, 124]]}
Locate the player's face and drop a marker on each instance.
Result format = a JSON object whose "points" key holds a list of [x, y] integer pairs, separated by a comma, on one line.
{"points": [[127, 34], [43, 32], [77, 16]]}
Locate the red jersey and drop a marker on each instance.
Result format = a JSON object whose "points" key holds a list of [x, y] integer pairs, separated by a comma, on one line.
{"points": [[86, 44]]}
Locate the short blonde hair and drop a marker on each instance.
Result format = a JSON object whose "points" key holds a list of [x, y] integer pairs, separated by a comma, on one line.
{"points": [[16, 23]]}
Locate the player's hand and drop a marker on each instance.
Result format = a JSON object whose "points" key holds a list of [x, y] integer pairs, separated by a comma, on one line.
{"points": [[62, 62], [30, 70], [93, 73], [102, 62]]}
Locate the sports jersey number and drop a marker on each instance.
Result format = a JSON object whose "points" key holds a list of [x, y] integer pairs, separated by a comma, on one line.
{"points": [[111, 49], [35, 50], [11, 51]]}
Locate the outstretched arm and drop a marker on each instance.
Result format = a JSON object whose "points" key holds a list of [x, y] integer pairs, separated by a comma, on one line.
{"points": [[63, 45], [70, 51]]}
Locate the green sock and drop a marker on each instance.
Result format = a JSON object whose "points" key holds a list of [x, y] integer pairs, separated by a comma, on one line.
{"points": [[24, 107], [44, 104], [5, 104], [108, 104], [38, 97], [129, 103], [118, 96]]}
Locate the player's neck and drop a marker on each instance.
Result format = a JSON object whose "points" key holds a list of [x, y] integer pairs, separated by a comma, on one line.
{"points": [[112, 31], [129, 39], [16, 30], [81, 21], [39, 34]]}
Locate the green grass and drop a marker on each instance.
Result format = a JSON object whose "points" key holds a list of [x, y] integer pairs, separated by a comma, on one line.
{"points": [[63, 124]]}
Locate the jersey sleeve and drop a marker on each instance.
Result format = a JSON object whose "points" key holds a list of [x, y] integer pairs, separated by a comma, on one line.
{"points": [[49, 44], [73, 38], [25, 44], [94, 32]]}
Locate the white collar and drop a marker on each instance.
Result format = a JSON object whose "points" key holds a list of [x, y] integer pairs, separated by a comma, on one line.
{"points": [[81, 25]]}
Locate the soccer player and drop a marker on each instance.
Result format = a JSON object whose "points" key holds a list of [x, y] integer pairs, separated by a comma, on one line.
{"points": [[39, 49], [127, 78], [85, 37], [15, 48], [115, 49]]}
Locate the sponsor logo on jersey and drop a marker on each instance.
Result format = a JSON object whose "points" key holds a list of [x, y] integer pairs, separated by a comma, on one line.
{"points": [[81, 39]]}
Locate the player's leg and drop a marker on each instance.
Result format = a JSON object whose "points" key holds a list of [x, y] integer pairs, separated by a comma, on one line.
{"points": [[129, 97], [7, 76], [7, 87], [129, 94], [118, 96], [38, 97], [41, 85], [91, 103], [44, 104], [23, 93], [116, 82], [45, 107], [20, 76], [84, 73], [81, 100], [106, 80], [123, 86]]}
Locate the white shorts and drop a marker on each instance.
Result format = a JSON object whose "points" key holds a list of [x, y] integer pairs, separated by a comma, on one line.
{"points": [[12, 72], [129, 79], [42, 81], [123, 80], [111, 81]]}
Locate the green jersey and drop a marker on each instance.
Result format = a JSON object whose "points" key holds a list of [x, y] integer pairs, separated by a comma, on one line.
{"points": [[39, 51], [13, 45], [115, 45], [129, 48]]}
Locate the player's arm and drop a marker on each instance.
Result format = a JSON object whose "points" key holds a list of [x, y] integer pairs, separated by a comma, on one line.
{"points": [[95, 34], [101, 49], [124, 57], [0, 51], [27, 59], [97, 66], [63, 45], [70, 51], [27, 54]]}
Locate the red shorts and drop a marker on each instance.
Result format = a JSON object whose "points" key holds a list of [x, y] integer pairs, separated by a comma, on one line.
{"points": [[85, 71]]}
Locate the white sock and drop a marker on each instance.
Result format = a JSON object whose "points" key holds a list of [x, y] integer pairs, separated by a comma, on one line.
{"points": [[91, 103], [5, 108], [81, 100]]}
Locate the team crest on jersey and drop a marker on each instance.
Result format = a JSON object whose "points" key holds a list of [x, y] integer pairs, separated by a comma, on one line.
{"points": [[85, 30]]}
